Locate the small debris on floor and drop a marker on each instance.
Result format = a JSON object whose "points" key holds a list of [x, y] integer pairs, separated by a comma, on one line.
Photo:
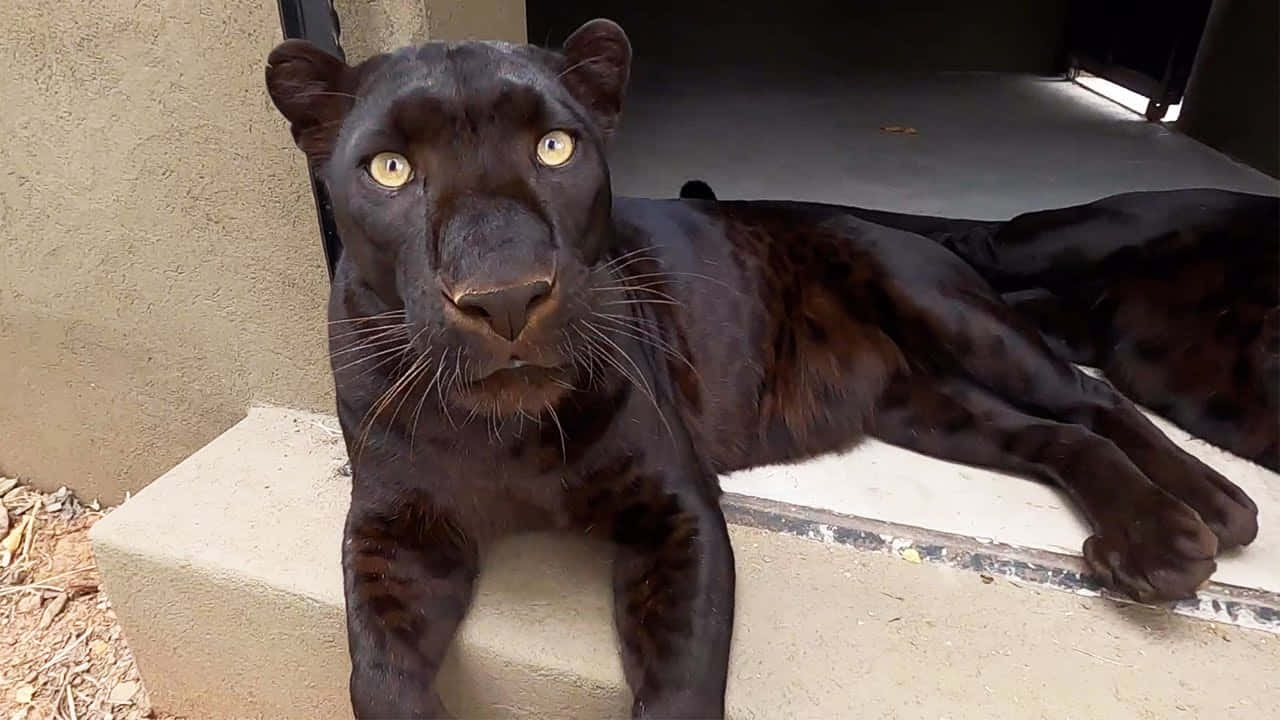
{"points": [[912, 555], [899, 130], [1219, 632], [986, 579], [123, 693], [51, 610], [62, 656]]}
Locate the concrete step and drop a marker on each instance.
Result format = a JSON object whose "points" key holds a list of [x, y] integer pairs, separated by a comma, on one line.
{"points": [[224, 574]]}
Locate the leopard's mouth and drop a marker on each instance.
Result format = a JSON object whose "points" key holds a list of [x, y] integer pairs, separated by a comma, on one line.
{"points": [[518, 372], [519, 386]]}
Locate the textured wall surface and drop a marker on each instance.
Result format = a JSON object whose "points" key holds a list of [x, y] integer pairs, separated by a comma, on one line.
{"points": [[160, 266], [371, 26]]}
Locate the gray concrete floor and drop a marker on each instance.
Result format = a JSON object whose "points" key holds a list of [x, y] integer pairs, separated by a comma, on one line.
{"points": [[986, 145]]}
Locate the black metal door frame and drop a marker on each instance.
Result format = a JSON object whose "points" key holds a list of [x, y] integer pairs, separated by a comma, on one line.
{"points": [[1146, 46], [317, 22]]}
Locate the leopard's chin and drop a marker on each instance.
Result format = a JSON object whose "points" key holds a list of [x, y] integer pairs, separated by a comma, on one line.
{"points": [[520, 388]]}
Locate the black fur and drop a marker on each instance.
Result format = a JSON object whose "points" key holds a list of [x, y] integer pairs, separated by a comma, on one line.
{"points": [[1174, 294]]}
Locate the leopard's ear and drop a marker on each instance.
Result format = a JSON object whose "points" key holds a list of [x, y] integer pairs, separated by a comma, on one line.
{"points": [[310, 88], [697, 190], [597, 66]]}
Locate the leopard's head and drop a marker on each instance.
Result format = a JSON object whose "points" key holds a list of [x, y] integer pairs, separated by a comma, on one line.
{"points": [[471, 193]]}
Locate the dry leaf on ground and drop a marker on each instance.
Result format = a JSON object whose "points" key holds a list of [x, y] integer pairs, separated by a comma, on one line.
{"points": [[23, 694], [122, 694], [14, 540], [29, 601], [51, 610]]}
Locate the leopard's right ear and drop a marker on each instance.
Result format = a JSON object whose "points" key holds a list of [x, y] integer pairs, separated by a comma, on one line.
{"points": [[311, 88]]}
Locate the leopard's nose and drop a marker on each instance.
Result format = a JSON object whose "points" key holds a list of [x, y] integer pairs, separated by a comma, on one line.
{"points": [[506, 310]]}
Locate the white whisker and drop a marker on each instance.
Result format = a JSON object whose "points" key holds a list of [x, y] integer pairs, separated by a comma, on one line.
{"points": [[370, 356], [564, 453], [382, 328], [645, 335], [365, 318]]}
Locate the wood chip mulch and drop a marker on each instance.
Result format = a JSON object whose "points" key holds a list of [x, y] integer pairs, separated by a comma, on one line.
{"points": [[62, 654]]}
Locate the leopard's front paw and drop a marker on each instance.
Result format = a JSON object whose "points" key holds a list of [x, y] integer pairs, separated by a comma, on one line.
{"points": [[1156, 549]]}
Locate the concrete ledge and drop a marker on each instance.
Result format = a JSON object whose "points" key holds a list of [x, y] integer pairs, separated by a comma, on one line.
{"points": [[224, 574]]}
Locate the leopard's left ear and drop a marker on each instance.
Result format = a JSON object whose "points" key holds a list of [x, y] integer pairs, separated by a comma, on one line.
{"points": [[597, 66]]}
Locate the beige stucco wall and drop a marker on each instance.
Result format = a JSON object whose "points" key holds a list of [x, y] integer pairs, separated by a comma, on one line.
{"points": [[160, 267]]}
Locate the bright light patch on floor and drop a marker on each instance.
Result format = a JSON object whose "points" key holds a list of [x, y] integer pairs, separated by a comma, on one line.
{"points": [[881, 482], [1123, 96]]}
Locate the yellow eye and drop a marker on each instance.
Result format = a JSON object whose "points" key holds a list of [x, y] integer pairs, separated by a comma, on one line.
{"points": [[390, 170], [555, 148]]}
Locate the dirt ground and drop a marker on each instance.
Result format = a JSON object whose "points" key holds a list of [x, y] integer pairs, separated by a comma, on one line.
{"points": [[62, 655]]}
